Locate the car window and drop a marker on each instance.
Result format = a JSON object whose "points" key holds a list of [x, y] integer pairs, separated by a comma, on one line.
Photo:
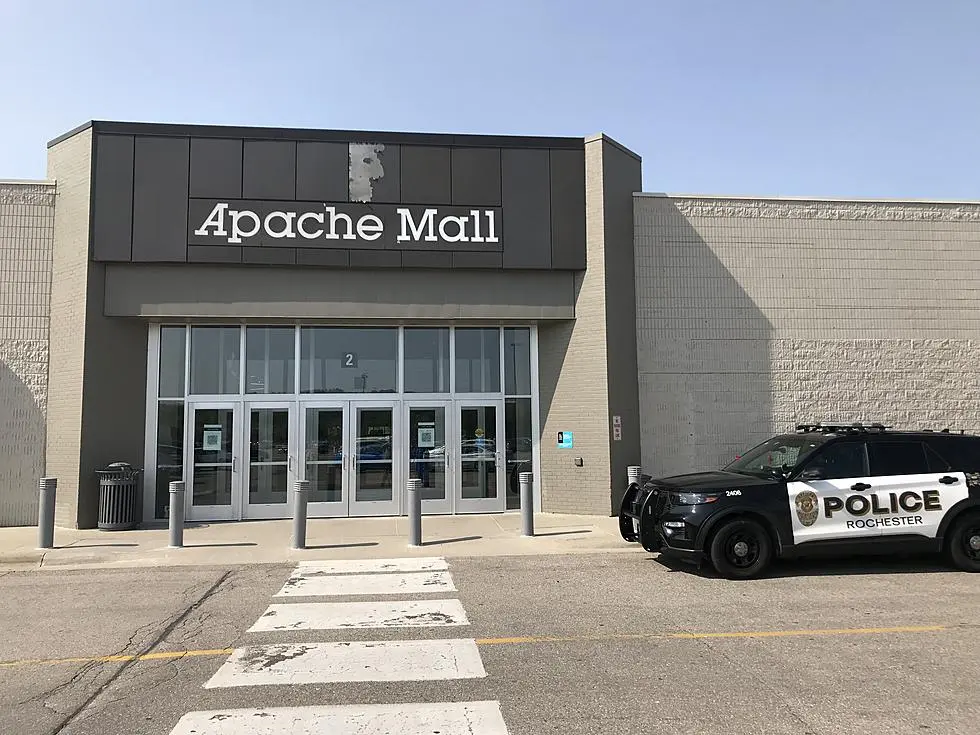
{"points": [[961, 452], [937, 463], [839, 460], [898, 458], [771, 456]]}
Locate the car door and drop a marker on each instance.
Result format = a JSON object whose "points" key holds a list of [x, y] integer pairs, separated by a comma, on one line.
{"points": [[820, 494], [912, 487]]}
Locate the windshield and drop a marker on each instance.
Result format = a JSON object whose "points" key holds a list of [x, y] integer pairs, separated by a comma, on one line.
{"points": [[776, 455]]}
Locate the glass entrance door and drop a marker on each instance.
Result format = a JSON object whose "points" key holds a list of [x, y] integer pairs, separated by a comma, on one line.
{"points": [[478, 460], [213, 490], [429, 457], [271, 464], [373, 453], [324, 431]]}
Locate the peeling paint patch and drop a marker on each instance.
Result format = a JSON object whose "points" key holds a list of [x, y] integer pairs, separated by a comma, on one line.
{"points": [[365, 168]]}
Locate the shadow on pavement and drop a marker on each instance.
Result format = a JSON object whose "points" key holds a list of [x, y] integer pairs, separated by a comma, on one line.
{"points": [[563, 533], [93, 546], [837, 567], [240, 543], [451, 540], [343, 546]]}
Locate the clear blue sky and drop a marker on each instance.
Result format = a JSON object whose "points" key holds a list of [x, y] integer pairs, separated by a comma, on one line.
{"points": [[875, 98]]}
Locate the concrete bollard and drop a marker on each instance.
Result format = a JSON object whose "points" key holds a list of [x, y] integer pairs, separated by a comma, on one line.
{"points": [[633, 474], [527, 504], [48, 487], [301, 496], [414, 512], [176, 514]]}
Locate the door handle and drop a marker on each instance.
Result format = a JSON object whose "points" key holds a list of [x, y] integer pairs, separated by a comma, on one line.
{"points": [[860, 486], [234, 464], [948, 479]]}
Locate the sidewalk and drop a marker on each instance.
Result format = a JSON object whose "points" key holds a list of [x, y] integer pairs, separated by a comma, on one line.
{"points": [[268, 542]]}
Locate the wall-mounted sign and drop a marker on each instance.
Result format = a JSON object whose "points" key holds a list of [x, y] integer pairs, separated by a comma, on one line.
{"points": [[617, 420], [211, 441], [565, 440], [617, 433], [342, 225], [349, 360]]}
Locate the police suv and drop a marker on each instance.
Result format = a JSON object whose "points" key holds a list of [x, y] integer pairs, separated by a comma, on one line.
{"points": [[826, 489]]}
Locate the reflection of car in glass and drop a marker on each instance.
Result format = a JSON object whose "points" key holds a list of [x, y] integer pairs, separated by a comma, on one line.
{"points": [[469, 449], [369, 448], [826, 489]]}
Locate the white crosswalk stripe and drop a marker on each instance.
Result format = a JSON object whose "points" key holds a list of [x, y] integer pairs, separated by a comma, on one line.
{"points": [[366, 566], [319, 663], [317, 584], [325, 661], [449, 718], [351, 615]]}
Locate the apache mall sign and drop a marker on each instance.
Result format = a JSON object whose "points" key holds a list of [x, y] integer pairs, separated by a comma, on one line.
{"points": [[343, 225]]}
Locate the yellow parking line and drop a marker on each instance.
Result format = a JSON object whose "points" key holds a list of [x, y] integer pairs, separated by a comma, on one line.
{"points": [[512, 640], [156, 656], [732, 634]]}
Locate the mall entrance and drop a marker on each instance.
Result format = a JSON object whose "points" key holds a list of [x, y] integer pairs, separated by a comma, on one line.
{"points": [[440, 404]]}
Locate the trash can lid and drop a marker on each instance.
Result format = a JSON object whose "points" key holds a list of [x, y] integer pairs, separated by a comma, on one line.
{"points": [[120, 466]]}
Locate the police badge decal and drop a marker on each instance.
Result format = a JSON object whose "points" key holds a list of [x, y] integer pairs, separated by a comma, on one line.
{"points": [[806, 507]]}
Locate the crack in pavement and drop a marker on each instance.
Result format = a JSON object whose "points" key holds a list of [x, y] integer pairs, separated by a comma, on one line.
{"points": [[177, 619]]}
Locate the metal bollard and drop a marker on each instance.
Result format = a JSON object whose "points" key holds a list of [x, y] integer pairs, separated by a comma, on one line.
{"points": [[633, 474], [414, 512], [527, 504], [176, 514], [301, 496], [48, 488]]}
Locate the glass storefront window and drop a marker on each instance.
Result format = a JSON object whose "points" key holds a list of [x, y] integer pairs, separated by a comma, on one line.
{"points": [[426, 360], [170, 453], [270, 359], [517, 429], [477, 360], [517, 361], [215, 360], [348, 360], [173, 351]]}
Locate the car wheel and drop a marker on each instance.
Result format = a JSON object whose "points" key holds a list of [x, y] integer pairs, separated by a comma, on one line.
{"points": [[964, 542], [741, 549]]}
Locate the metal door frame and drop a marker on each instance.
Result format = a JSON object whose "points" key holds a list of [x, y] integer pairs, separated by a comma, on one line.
{"points": [[431, 507], [326, 509], [232, 511], [479, 505], [268, 510]]}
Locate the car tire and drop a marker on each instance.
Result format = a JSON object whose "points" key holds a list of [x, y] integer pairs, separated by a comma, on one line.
{"points": [[740, 549], [964, 542]]}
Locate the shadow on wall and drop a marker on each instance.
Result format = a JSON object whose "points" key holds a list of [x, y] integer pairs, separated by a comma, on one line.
{"points": [[702, 344], [21, 450]]}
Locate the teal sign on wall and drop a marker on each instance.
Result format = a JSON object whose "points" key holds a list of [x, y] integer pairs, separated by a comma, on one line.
{"points": [[565, 440]]}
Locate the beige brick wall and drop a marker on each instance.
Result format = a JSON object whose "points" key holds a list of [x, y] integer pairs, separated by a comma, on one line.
{"points": [[755, 314], [573, 363], [69, 165], [26, 239]]}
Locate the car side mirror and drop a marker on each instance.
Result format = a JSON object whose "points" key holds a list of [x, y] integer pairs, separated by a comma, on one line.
{"points": [[813, 473]]}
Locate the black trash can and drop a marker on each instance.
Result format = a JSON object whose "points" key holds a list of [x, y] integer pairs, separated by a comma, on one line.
{"points": [[119, 497]]}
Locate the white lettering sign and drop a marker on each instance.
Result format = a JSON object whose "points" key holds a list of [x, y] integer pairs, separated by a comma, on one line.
{"points": [[328, 222]]}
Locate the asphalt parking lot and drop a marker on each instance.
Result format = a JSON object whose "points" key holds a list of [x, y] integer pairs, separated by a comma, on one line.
{"points": [[615, 642]]}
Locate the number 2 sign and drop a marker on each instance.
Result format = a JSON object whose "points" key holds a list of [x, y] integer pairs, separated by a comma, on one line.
{"points": [[350, 360]]}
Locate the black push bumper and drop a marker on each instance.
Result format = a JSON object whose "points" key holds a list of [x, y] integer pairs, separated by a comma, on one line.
{"points": [[640, 518]]}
